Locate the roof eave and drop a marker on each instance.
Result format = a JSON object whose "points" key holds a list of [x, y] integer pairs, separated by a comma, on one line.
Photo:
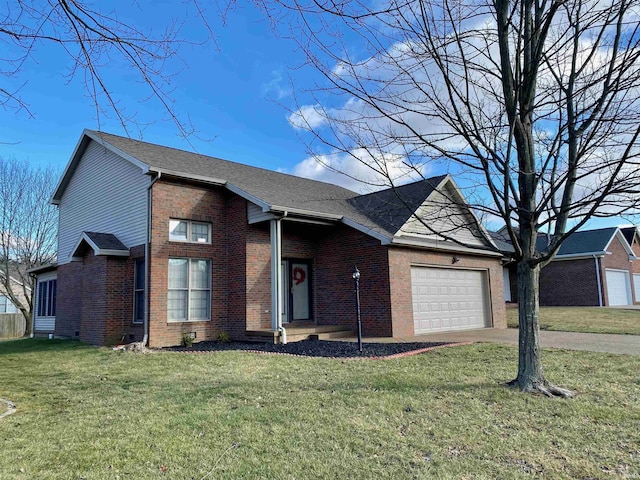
{"points": [[435, 245]]}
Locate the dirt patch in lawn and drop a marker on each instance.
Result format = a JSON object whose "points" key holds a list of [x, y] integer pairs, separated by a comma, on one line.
{"points": [[319, 348]]}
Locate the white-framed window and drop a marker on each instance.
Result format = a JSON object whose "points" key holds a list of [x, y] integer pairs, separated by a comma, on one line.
{"points": [[189, 231], [138, 290], [189, 292], [6, 306], [47, 298]]}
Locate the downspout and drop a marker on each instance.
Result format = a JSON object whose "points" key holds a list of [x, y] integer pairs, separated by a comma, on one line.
{"points": [[147, 263], [598, 280]]}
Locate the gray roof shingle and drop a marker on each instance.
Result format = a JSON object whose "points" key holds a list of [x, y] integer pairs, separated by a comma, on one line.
{"points": [[392, 208], [586, 241], [106, 241], [381, 214]]}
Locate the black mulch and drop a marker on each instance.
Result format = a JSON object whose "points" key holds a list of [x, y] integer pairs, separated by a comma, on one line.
{"points": [[313, 348]]}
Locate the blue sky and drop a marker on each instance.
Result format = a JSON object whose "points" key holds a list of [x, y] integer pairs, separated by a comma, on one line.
{"points": [[229, 90], [235, 91]]}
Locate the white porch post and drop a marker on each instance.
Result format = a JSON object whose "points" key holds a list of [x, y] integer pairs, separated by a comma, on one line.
{"points": [[276, 274]]}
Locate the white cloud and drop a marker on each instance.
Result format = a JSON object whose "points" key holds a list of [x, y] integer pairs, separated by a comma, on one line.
{"points": [[308, 117], [275, 87], [359, 170]]}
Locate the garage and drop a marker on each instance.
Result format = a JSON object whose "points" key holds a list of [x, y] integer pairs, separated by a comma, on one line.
{"points": [[449, 299], [636, 285], [618, 287]]}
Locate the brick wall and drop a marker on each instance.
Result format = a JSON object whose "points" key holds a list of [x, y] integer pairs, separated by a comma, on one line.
{"points": [[339, 250], [69, 299], [400, 262], [95, 299], [570, 283]]}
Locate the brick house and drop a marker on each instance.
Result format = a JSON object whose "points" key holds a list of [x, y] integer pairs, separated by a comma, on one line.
{"points": [[156, 243], [592, 268]]}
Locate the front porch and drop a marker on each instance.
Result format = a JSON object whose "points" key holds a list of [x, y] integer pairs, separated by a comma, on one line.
{"points": [[298, 331]]}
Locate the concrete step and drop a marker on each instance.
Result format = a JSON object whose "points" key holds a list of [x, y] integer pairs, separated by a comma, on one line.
{"points": [[299, 332], [336, 334]]}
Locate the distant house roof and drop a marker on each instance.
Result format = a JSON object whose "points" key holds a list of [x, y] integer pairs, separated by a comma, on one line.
{"points": [[582, 242], [380, 214], [502, 242], [585, 242]]}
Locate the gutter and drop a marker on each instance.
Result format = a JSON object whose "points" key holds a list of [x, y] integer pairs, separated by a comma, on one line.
{"points": [[598, 280], [147, 263]]}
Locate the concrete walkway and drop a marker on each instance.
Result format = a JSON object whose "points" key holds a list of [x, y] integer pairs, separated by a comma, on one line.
{"points": [[592, 342]]}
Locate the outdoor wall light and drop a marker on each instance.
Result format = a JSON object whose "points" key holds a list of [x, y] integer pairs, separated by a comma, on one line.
{"points": [[455, 260]]}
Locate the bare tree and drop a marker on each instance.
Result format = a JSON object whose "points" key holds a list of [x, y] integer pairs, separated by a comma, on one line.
{"points": [[93, 38], [534, 104], [28, 229]]}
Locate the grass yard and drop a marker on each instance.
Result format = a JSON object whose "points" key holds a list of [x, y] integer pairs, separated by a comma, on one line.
{"points": [[584, 319], [91, 413]]}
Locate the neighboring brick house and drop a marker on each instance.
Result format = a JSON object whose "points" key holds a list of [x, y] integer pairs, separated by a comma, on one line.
{"points": [[231, 248], [592, 268]]}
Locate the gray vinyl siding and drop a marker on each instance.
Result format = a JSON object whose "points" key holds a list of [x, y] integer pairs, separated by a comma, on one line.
{"points": [[442, 214], [256, 215], [106, 194]]}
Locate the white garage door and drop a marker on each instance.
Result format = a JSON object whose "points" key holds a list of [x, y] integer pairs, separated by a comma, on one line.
{"points": [[636, 286], [448, 299], [618, 288]]}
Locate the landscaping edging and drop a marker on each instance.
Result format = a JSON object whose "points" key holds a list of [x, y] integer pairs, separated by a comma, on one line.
{"points": [[11, 408]]}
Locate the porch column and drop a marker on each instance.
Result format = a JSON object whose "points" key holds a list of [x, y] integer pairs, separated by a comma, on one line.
{"points": [[276, 274]]}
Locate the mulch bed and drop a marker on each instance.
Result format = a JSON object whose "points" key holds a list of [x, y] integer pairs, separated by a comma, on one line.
{"points": [[320, 348]]}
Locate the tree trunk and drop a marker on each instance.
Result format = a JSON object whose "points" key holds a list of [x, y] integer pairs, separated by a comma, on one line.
{"points": [[530, 374]]}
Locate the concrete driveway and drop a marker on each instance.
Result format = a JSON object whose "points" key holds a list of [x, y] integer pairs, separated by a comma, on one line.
{"points": [[592, 342]]}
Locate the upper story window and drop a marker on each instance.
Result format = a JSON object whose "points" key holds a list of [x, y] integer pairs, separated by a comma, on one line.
{"points": [[189, 231]]}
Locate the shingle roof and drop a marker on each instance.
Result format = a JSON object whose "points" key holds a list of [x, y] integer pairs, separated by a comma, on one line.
{"points": [[392, 208], [281, 189], [503, 243], [380, 214], [586, 241], [106, 241]]}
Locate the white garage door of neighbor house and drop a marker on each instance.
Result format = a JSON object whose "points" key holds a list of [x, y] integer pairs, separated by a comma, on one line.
{"points": [[636, 285], [448, 299], [618, 288]]}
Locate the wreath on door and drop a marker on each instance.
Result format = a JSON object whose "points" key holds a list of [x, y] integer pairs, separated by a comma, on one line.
{"points": [[299, 275]]}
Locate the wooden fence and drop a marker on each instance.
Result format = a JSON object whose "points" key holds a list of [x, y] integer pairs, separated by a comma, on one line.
{"points": [[12, 325]]}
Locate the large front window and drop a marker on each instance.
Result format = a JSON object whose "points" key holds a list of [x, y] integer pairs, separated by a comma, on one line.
{"points": [[189, 295]]}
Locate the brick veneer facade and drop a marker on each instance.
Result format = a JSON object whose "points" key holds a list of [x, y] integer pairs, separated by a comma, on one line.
{"points": [[95, 299], [574, 282], [400, 262], [95, 295], [569, 283]]}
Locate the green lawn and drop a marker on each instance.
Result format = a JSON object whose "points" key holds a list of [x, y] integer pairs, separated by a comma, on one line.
{"points": [[584, 319], [90, 413]]}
